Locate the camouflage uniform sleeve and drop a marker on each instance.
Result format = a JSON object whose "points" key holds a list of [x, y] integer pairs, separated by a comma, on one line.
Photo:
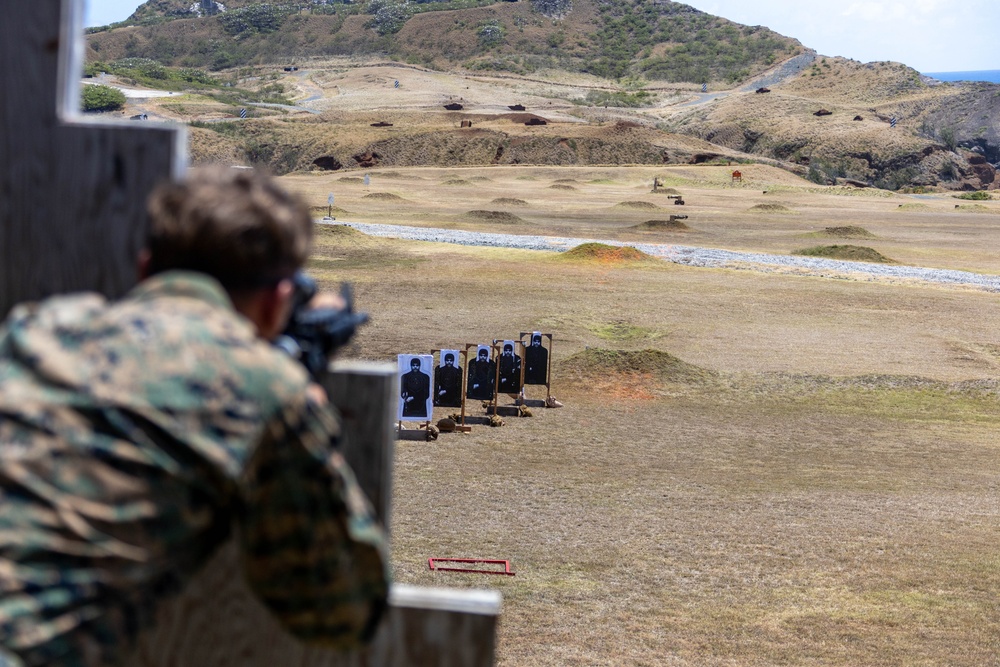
{"points": [[312, 549]]}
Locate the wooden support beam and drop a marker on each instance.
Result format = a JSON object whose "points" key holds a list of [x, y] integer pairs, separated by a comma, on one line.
{"points": [[72, 190], [369, 436]]}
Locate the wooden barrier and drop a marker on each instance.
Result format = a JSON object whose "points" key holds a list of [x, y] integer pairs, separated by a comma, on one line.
{"points": [[355, 388], [72, 217], [217, 621]]}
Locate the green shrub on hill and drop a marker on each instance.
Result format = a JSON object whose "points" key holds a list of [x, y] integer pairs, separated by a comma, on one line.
{"points": [[700, 47], [144, 68], [388, 16], [490, 34], [605, 98], [149, 72], [552, 8], [255, 19], [978, 195], [102, 98]]}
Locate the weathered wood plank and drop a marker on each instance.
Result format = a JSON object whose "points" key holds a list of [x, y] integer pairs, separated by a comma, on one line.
{"points": [[72, 191], [354, 388], [217, 621]]}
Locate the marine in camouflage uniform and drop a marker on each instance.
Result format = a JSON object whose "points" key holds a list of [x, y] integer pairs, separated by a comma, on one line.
{"points": [[133, 436]]}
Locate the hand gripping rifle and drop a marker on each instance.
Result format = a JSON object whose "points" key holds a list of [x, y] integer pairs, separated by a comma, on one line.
{"points": [[312, 335]]}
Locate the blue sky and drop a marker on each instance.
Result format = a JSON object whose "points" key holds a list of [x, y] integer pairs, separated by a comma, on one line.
{"points": [[928, 35]]}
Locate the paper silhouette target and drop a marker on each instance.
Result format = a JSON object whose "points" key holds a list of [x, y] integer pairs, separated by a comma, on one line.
{"points": [[481, 375], [536, 361], [448, 380], [415, 387], [509, 364]]}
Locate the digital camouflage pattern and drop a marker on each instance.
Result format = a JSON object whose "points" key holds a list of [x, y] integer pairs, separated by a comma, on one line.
{"points": [[133, 436]]}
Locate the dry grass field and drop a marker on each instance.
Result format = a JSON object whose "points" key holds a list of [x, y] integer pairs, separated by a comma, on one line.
{"points": [[750, 469]]}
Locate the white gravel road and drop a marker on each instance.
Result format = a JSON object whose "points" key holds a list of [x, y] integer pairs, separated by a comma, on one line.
{"points": [[133, 93], [694, 256]]}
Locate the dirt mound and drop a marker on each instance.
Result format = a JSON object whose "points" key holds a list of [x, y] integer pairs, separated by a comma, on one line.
{"points": [[637, 205], [667, 191], [383, 196], [853, 253], [509, 201], [849, 232], [566, 180], [663, 225], [455, 181], [351, 179], [332, 242], [322, 211], [561, 186], [912, 207], [496, 217], [973, 208], [480, 179], [769, 208], [338, 231], [598, 364], [607, 254]]}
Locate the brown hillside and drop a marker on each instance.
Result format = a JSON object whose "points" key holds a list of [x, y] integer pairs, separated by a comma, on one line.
{"points": [[783, 125], [590, 36]]}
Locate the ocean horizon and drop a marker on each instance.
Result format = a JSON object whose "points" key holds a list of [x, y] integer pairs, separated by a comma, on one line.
{"points": [[989, 75]]}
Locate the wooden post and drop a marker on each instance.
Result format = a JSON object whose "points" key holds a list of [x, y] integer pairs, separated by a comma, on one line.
{"points": [[72, 192], [354, 387], [462, 428]]}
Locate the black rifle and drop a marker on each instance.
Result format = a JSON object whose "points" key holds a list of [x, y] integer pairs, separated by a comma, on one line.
{"points": [[312, 335]]}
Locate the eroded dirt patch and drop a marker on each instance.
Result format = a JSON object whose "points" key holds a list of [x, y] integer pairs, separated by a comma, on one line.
{"points": [[769, 208], [496, 217], [663, 225], [637, 205]]}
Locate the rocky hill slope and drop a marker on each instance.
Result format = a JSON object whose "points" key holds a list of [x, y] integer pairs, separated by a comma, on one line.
{"points": [[616, 81], [836, 119], [659, 41]]}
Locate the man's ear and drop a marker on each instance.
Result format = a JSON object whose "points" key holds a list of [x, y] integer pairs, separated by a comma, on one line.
{"points": [[275, 308], [142, 263]]}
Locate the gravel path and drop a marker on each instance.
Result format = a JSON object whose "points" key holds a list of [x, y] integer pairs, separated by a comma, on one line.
{"points": [[786, 70], [693, 256]]}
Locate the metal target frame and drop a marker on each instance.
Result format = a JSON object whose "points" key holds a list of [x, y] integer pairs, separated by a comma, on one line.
{"points": [[497, 347], [461, 427]]}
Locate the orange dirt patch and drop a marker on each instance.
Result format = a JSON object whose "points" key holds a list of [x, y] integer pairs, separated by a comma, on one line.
{"points": [[626, 386]]}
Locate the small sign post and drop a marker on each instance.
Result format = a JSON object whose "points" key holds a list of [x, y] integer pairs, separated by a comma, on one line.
{"points": [[329, 204]]}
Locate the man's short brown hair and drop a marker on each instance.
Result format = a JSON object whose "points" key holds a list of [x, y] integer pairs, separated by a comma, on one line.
{"points": [[235, 225]]}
